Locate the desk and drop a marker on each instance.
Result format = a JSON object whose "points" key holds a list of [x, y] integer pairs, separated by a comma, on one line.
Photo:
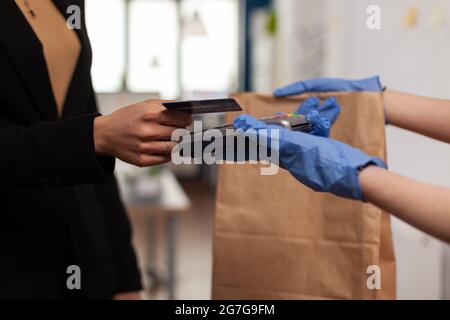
{"points": [[172, 202]]}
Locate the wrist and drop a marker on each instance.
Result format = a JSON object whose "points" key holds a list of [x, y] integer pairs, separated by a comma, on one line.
{"points": [[374, 165], [100, 140], [367, 178]]}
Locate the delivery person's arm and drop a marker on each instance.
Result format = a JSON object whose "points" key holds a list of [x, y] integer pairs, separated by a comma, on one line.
{"points": [[426, 116], [422, 205], [327, 165]]}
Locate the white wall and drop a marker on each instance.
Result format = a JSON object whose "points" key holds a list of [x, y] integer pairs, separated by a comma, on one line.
{"points": [[414, 60]]}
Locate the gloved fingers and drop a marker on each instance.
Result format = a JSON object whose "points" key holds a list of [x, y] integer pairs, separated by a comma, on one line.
{"points": [[245, 122], [330, 85], [322, 127], [257, 131], [369, 84], [290, 90], [248, 125], [308, 105], [322, 116], [314, 85], [313, 117], [316, 121], [330, 109]]}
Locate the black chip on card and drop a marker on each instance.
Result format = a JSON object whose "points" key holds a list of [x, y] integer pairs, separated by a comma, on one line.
{"points": [[204, 106]]}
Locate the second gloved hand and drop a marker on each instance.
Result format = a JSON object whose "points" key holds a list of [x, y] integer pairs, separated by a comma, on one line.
{"points": [[322, 164], [372, 84], [322, 116]]}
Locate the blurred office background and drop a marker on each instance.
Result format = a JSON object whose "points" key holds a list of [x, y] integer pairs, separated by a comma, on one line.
{"points": [[186, 49]]}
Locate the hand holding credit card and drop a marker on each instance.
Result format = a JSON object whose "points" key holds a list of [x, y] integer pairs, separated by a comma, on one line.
{"points": [[294, 121]]}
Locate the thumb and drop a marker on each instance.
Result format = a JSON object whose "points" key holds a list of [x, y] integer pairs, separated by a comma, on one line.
{"points": [[322, 127]]}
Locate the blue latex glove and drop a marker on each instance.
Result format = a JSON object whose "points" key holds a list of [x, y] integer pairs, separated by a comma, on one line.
{"points": [[322, 117], [330, 85], [322, 164]]}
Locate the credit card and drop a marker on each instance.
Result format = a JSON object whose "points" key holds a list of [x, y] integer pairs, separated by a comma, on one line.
{"points": [[204, 106]]}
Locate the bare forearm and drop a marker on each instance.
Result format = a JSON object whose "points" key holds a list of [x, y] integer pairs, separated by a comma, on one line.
{"points": [[426, 116], [422, 205]]}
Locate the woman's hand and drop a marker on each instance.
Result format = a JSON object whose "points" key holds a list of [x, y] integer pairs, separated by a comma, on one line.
{"points": [[139, 134]]}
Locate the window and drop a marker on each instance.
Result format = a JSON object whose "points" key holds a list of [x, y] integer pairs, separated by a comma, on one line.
{"points": [[164, 47], [153, 47], [210, 60], [108, 43]]}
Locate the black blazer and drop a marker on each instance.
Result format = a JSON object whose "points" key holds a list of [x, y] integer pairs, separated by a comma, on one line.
{"points": [[59, 202]]}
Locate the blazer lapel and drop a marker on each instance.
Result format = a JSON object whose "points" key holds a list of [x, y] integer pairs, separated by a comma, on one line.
{"points": [[26, 54]]}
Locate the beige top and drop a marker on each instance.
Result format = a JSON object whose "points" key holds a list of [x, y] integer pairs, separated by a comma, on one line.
{"points": [[61, 45]]}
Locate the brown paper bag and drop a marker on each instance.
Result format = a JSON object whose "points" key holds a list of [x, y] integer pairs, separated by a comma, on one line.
{"points": [[276, 239]]}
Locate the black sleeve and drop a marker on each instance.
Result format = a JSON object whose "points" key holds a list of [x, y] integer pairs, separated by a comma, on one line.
{"points": [[52, 154], [128, 278]]}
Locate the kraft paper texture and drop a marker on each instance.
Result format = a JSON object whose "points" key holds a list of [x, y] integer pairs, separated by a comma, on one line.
{"points": [[276, 239]]}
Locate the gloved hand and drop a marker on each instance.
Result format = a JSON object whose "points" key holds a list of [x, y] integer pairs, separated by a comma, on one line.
{"points": [[322, 117], [330, 85], [322, 164]]}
